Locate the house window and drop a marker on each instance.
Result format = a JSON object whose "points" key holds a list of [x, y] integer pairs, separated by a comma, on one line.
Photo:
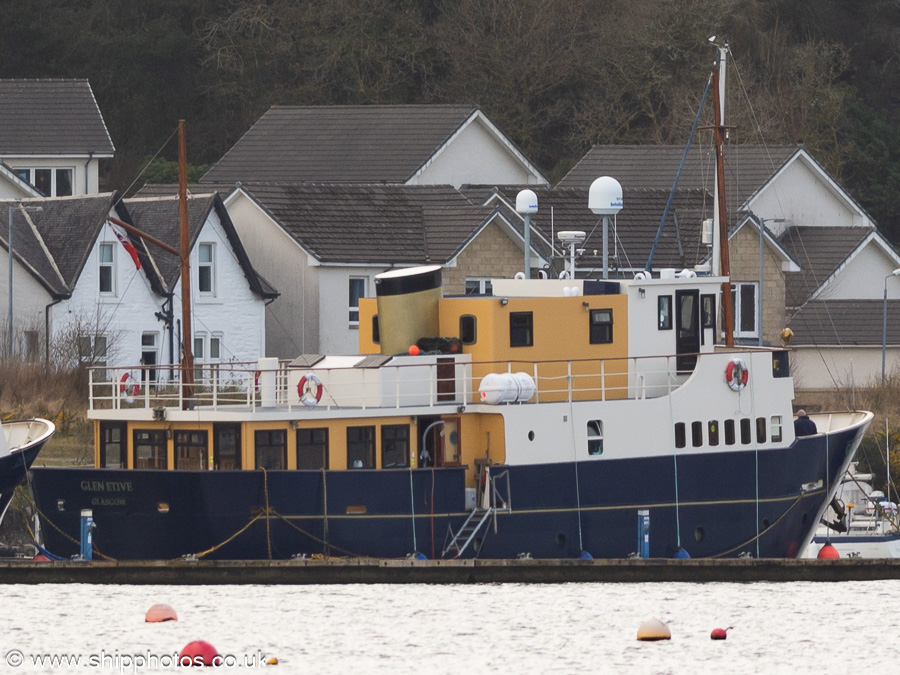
{"points": [[150, 449], [51, 182], [107, 269], [394, 446], [92, 350], [601, 328], [191, 450], [357, 291], [360, 447], [206, 269], [112, 445], [595, 437], [521, 329], [312, 449], [664, 312], [468, 329], [271, 449], [743, 297], [479, 286]]}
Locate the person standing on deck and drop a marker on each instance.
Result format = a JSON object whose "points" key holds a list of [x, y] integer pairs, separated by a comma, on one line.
{"points": [[803, 426]]}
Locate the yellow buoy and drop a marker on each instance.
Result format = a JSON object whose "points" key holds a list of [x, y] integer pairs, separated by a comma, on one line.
{"points": [[652, 630], [272, 662]]}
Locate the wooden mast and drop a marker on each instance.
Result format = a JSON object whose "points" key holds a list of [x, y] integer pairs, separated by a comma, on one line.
{"points": [[719, 129], [187, 361]]}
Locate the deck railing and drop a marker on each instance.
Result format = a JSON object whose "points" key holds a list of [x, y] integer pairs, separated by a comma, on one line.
{"points": [[230, 386]]}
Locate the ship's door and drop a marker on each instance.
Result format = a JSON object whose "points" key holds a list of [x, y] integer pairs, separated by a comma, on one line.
{"points": [[687, 329]]}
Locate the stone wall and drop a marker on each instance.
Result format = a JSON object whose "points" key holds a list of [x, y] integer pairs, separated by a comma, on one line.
{"points": [[491, 254]]}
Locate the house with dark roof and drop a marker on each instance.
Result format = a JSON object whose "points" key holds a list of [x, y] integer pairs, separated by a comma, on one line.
{"points": [[323, 244], [390, 144], [85, 290], [819, 251], [52, 138]]}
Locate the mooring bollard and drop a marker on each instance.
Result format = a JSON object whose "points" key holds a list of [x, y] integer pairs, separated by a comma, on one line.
{"points": [[87, 539], [643, 546]]}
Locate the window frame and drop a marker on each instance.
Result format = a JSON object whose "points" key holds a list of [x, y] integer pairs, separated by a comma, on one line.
{"points": [[738, 301], [664, 312], [600, 326], [159, 448], [402, 445], [485, 286], [595, 438], [109, 265], [183, 439], [29, 175], [207, 266], [323, 446], [270, 444], [353, 310], [365, 443], [524, 335]]}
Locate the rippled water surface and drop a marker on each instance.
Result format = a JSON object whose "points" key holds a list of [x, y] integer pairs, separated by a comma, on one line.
{"points": [[505, 628]]}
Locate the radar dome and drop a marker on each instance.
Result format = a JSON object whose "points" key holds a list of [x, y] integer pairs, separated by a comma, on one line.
{"points": [[526, 202], [605, 196]]}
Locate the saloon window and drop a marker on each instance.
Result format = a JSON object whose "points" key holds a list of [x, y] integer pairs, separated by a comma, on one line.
{"points": [[150, 451], [394, 446], [271, 448], [312, 449], [112, 445], [360, 447], [191, 450]]}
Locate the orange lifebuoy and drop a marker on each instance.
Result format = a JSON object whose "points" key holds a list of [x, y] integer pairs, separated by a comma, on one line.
{"points": [[129, 387], [309, 388], [737, 374]]}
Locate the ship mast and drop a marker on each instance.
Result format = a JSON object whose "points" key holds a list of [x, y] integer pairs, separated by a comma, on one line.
{"points": [[722, 212], [187, 361]]}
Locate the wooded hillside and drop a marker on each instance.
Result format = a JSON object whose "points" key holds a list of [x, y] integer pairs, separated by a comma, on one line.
{"points": [[556, 75]]}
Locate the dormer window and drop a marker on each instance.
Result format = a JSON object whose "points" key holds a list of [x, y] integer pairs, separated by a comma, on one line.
{"points": [[51, 182], [206, 269]]}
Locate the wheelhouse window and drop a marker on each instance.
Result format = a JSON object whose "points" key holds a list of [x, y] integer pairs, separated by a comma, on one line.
{"points": [[708, 311], [271, 449], [394, 446], [601, 328], [312, 449], [51, 182], [112, 445], [191, 450], [360, 447], [206, 276], [357, 291], [744, 298], [664, 312], [150, 449], [595, 437], [107, 269], [521, 329], [479, 286]]}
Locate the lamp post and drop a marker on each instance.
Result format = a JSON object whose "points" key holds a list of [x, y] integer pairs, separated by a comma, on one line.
{"points": [[895, 273], [12, 209]]}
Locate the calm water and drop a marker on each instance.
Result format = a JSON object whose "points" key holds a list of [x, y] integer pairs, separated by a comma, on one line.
{"points": [[572, 628]]}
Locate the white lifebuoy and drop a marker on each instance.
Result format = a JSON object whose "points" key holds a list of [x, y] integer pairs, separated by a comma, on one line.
{"points": [[129, 387], [737, 374], [309, 388]]}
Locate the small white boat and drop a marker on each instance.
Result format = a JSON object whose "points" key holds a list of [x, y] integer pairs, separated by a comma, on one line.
{"points": [[20, 443]]}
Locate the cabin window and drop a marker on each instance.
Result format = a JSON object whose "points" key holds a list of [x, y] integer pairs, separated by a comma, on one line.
{"points": [[479, 286], [112, 445], [664, 312], [713, 432], [729, 432], [376, 330], [680, 437], [745, 431], [776, 428], [312, 449], [357, 291], [271, 448], [191, 450], [360, 447], [743, 297], [696, 434], [708, 311], [107, 269], [394, 446], [468, 329], [51, 182], [521, 329], [206, 271], [761, 430], [595, 437], [227, 446], [601, 328], [150, 449]]}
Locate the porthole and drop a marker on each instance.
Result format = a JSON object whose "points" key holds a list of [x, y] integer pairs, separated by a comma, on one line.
{"points": [[162, 507], [699, 533], [60, 504], [530, 435]]}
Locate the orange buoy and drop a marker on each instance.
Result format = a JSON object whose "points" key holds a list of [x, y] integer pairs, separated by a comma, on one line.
{"points": [[828, 552], [653, 630], [198, 653], [272, 661], [414, 350], [159, 613], [40, 557], [719, 633]]}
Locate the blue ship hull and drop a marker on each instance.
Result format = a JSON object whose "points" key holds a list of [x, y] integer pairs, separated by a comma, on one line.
{"points": [[765, 504]]}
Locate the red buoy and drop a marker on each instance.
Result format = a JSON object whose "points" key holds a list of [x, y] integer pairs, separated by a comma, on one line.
{"points": [[159, 613], [198, 653], [828, 552], [40, 557], [414, 350], [718, 634]]}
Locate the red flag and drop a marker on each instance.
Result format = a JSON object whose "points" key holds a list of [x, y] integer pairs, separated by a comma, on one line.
{"points": [[132, 251]]}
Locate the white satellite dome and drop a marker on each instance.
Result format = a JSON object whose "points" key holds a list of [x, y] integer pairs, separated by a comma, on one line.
{"points": [[605, 196]]}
